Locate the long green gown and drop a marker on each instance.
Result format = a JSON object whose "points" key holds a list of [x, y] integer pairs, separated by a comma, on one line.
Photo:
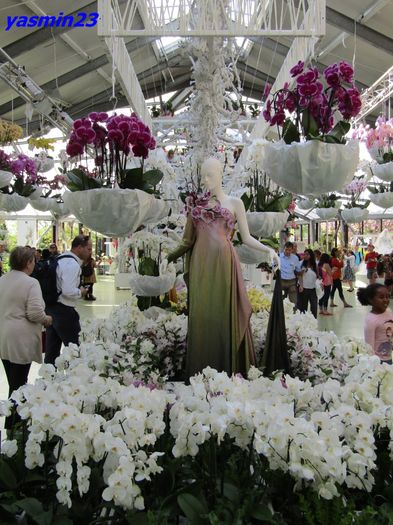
{"points": [[219, 332]]}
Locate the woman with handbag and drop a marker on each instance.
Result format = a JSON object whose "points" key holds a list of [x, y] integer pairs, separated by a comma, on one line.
{"points": [[89, 278], [308, 282]]}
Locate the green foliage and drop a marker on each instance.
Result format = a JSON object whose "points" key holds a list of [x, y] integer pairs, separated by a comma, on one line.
{"points": [[381, 187], [328, 200], [77, 180], [136, 179], [264, 196]]}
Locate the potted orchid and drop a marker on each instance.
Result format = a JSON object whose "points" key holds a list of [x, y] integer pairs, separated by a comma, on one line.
{"points": [[381, 194], [312, 155], [354, 211], [326, 206], [266, 205], [379, 142], [106, 193]]}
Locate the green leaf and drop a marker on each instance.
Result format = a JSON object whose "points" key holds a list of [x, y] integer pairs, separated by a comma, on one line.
{"points": [[7, 476], [340, 130], [193, 508], [132, 179], [372, 189], [77, 180], [279, 203], [309, 124], [62, 520], [137, 518], [263, 513], [247, 200], [32, 506], [289, 132], [153, 177]]}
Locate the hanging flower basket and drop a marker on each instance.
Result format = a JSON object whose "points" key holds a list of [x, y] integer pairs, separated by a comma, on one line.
{"points": [[36, 194], [326, 213], [152, 286], [44, 163], [305, 204], [383, 200], [44, 205], [312, 167], [383, 171], [266, 223], [5, 178], [13, 202], [351, 215], [248, 255], [113, 212]]}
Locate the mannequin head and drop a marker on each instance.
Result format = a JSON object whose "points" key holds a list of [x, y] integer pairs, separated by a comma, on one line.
{"points": [[211, 174]]}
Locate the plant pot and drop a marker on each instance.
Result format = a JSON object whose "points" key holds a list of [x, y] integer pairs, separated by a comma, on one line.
{"points": [[114, 212], [250, 255], [383, 171], [5, 178], [313, 167], [350, 215], [266, 223], [305, 204], [48, 204], [12, 203], [383, 200], [326, 213], [36, 194], [151, 286]]}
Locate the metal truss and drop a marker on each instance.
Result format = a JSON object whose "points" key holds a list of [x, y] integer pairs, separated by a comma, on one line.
{"points": [[376, 94], [225, 18], [16, 77]]}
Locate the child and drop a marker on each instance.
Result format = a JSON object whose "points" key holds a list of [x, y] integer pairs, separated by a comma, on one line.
{"points": [[378, 327]]}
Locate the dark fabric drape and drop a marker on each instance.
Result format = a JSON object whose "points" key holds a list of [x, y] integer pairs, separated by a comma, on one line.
{"points": [[275, 354]]}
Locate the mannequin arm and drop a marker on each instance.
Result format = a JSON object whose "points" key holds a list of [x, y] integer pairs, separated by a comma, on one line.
{"points": [[247, 239], [186, 243]]}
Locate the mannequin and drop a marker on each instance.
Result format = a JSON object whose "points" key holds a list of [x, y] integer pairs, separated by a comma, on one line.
{"points": [[219, 333]]}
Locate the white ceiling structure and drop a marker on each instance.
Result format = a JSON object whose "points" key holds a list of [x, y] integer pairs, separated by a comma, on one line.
{"points": [[73, 65]]}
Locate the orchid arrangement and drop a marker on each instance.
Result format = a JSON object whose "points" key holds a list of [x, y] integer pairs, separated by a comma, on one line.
{"points": [[23, 174], [264, 196], [111, 141], [354, 189], [328, 200], [312, 107], [379, 140]]}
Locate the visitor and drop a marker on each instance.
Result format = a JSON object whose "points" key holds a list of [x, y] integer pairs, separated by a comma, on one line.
{"points": [[2, 248], [22, 314], [65, 328], [54, 252], [308, 283], [378, 325], [349, 269], [336, 263], [89, 278], [379, 278], [371, 260], [170, 156], [317, 254], [388, 261], [290, 269], [325, 271]]}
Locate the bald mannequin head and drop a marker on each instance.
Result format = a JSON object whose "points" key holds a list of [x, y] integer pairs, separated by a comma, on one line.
{"points": [[211, 174]]}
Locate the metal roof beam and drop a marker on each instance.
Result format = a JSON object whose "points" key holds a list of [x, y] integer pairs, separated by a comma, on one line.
{"points": [[351, 26]]}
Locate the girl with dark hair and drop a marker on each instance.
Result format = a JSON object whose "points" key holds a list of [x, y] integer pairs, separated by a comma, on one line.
{"points": [[307, 283], [337, 264], [378, 327], [325, 271]]}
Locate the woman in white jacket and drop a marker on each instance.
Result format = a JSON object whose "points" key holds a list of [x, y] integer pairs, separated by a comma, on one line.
{"points": [[22, 314]]}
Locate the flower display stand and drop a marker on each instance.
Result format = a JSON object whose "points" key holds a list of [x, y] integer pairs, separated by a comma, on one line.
{"points": [[266, 223], [13, 202], [311, 168], [326, 213], [351, 215], [114, 212], [383, 200], [383, 171]]}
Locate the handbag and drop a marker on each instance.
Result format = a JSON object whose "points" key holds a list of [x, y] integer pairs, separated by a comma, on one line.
{"points": [[319, 288]]}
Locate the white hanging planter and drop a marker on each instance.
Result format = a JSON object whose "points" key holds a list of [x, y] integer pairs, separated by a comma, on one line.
{"points": [[305, 204], [114, 212], [5, 178], [36, 195], [266, 223], [351, 215], [57, 208], [151, 286], [326, 213], [44, 163], [249, 255], [383, 171], [383, 200], [312, 167], [12, 203]]}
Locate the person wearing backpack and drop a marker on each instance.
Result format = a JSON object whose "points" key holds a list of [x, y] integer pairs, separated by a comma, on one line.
{"points": [[65, 327]]}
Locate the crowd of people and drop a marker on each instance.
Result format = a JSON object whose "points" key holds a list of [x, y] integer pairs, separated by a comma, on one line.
{"points": [[311, 279]]}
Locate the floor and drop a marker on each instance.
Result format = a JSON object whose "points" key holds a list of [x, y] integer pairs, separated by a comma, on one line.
{"points": [[345, 321]]}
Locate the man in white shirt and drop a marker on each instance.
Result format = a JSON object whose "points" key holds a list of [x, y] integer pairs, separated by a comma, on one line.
{"points": [[290, 268], [66, 327]]}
